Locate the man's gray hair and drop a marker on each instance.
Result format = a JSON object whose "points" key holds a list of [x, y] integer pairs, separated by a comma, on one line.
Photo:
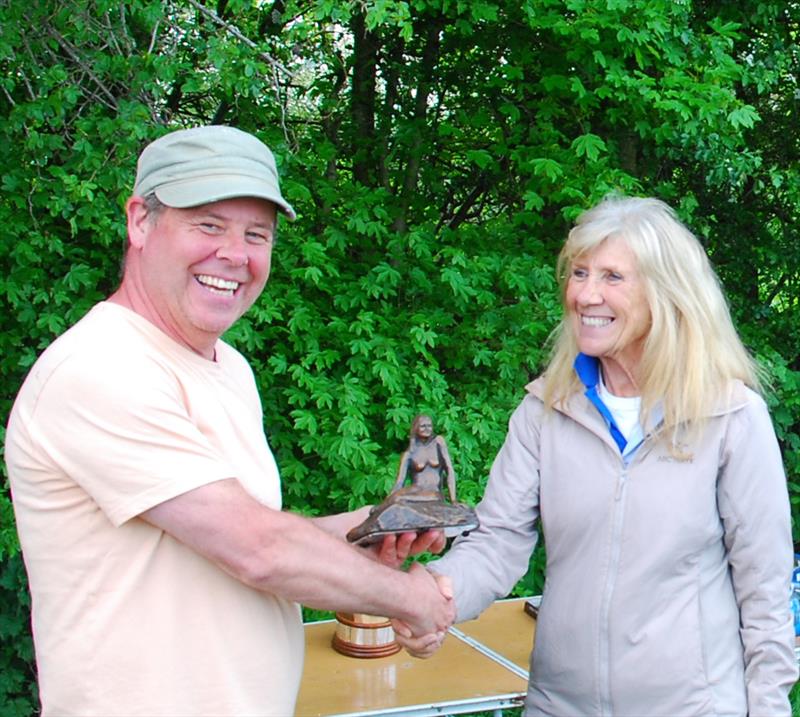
{"points": [[153, 205]]}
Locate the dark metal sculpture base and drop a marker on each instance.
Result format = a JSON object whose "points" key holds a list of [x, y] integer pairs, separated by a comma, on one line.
{"points": [[414, 515]]}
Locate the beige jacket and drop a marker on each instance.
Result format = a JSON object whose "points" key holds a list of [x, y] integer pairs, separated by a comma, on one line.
{"points": [[667, 581]]}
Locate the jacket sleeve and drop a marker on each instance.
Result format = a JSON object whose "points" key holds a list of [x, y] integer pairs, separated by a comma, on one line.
{"points": [[487, 563], [754, 507]]}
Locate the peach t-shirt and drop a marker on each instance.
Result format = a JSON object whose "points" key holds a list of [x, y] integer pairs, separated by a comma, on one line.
{"points": [[113, 419]]}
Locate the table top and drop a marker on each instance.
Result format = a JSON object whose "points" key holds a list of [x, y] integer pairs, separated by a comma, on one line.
{"points": [[505, 629], [482, 665]]}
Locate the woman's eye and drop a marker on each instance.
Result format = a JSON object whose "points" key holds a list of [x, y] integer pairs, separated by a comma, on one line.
{"points": [[614, 277], [579, 273]]}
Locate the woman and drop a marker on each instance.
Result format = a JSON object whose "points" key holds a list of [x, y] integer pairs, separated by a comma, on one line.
{"points": [[650, 459], [426, 462]]}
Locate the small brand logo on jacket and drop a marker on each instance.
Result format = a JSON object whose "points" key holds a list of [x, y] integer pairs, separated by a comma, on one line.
{"points": [[676, 459]]}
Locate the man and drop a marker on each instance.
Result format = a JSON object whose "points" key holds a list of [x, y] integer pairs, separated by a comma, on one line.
{"points": [[164, 576]]}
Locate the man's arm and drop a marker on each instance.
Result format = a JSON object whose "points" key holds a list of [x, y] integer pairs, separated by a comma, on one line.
{"points": [[290, 556], [339, 524]]}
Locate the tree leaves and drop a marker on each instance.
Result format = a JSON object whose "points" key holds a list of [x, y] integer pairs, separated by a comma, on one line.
{"points": [[589, 146], [531, 112], [425, 282]]}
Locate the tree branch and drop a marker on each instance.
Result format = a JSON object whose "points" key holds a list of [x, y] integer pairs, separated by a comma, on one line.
{"points": [[239, 36], [70, 50], [430, 58]]}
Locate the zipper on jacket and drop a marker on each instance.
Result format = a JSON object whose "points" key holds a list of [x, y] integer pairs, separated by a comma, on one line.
{"points": [[611, 577], [623, 479]]}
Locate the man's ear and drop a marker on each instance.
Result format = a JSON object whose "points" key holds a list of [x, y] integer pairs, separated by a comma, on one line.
{"points": [[138, 221]]}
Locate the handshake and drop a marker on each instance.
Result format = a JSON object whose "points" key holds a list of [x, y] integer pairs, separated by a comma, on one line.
{"points": [[429, 609]]}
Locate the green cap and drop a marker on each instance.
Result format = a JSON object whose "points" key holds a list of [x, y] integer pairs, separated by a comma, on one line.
{"points": [[197, 166]]}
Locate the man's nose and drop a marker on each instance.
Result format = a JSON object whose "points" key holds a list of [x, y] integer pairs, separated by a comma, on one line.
{"points": [[233, 249]]}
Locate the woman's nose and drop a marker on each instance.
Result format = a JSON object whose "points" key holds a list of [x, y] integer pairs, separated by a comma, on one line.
{"points": [[590, 292]]}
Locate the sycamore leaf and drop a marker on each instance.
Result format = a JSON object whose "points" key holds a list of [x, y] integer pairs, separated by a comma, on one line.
{"points": [[589, 146]]}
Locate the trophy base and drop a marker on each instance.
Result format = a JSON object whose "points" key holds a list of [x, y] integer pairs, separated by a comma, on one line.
{"points": [[414, 515], [360, 635]]}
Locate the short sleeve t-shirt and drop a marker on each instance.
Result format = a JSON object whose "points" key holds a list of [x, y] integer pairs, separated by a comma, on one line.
{"points": [[113, 419]]}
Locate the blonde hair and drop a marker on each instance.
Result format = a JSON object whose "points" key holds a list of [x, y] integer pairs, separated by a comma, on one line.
{"points": [[692, 352]]}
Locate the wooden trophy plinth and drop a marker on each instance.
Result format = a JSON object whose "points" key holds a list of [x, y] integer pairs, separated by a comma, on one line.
{"points": [[360, 635]]}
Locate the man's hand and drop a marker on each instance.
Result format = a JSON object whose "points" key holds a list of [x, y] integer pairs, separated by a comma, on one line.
{"points": [[424, 646], [395, 548]]}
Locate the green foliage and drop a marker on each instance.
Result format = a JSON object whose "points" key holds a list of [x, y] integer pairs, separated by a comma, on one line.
{"points": [[18, 693], [784, 403], [436, 152]]}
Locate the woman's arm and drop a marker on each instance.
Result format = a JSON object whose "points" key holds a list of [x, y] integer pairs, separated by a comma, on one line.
{"points": [[754, 507], [486, 564]]}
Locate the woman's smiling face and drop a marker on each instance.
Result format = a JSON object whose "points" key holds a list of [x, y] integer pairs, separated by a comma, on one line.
{"points": [[607, 304]]}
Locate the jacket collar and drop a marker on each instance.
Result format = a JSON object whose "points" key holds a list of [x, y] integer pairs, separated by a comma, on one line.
{"points": [[579, 408], [588, 370]]}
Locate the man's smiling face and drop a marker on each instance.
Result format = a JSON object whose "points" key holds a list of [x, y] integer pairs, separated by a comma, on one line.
{"points": [[201, 268]]}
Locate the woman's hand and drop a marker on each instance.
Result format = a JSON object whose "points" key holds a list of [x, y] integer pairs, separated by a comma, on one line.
{"points": [[423, 646], [395, 548]]}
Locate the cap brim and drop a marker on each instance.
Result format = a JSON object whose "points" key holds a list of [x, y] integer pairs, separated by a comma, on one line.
{"points": [[197, 191]]}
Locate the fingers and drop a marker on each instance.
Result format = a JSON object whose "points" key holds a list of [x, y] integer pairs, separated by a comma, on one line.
{"points": [[432, 541], [423, 646], [424, 651], [401, 629], [395, 548], [387, 553], [445, 585], [435, 609], [410, 543], [404, 543]]}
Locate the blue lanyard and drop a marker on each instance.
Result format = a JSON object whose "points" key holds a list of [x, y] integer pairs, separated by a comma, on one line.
{"points": [[588, 370]]}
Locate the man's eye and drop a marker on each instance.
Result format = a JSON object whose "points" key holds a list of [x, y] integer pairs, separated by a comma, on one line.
{"points": [[210, 227], [258, 238]]}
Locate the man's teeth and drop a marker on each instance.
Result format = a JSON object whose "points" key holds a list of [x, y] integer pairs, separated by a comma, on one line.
{"points": [[598, 321], [217, 285]]}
